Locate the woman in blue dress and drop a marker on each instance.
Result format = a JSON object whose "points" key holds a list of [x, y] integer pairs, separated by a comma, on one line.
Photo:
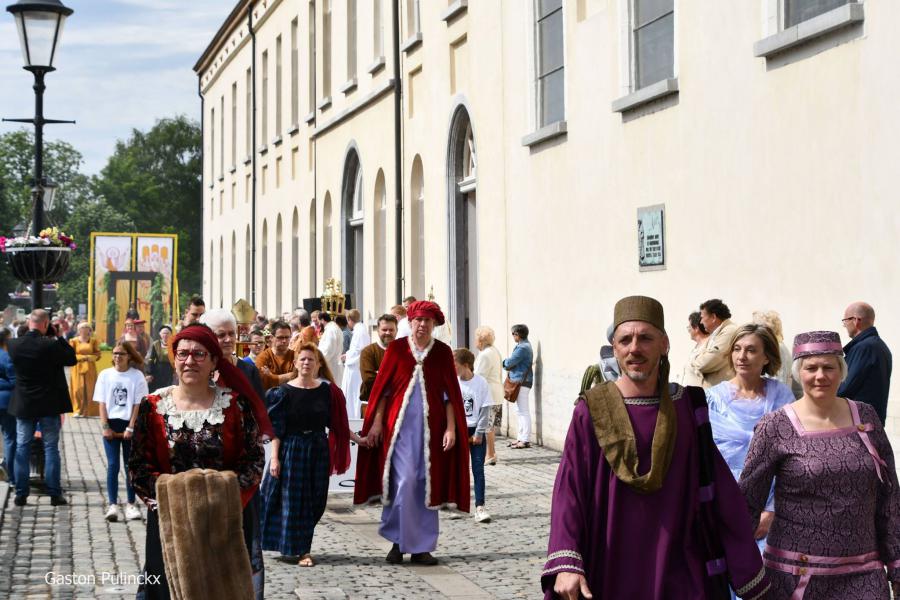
{"points": [[736, 405]]}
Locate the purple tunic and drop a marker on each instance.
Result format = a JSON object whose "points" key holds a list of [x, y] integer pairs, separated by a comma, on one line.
{"points": [[633, 545], [407, 520], [829, 502]]}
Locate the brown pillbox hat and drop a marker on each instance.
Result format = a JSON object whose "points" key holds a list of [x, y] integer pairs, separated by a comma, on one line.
{"points": [[639, 308]]}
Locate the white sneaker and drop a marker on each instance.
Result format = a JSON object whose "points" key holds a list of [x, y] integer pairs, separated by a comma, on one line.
{"points": [[481, 515], [112, 513], [132, 512]]}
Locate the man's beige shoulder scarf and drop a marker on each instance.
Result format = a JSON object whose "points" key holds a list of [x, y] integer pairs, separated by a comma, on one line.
{"points": [[616, 436]]}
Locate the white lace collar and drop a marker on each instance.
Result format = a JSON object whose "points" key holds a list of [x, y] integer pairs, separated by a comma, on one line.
{"points": [[193, 419]]}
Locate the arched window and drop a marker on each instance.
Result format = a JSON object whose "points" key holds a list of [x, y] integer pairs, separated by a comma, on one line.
{"points": [[248, 266], [380, 206], [264, 286], [353, 239], [221, 270], [234, 291], [312, 249], [279, 267], [417, 216], [212, 270]]}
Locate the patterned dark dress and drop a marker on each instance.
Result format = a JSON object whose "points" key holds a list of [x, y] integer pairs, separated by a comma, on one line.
{"points": [[294, 502], [837, 507], [224, 437]]}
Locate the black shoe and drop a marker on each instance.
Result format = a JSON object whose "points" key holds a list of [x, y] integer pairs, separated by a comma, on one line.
{"points": [[21, 500], [423, 558], [395, 557], [58, 501]]}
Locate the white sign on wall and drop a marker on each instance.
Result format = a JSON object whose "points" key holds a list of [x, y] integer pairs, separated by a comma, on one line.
{"points": [[651, 237]]}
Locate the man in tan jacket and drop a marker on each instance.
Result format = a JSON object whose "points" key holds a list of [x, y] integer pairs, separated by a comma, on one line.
{"points": [[711, 363]]}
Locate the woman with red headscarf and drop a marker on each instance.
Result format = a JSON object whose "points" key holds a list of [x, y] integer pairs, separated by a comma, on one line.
{"points": [[197, 424]]}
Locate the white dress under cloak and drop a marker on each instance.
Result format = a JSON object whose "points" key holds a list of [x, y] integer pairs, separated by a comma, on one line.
{"points": [[352, 379], [331, 344]]}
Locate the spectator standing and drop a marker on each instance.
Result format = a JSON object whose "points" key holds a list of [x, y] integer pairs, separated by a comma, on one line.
{"points": [[477, 403], [403, 329], [84, 374], [307, 333], [346, 331], [159, 366], [331, 343], [295, 489], [41, 396], [143, 340], [711, 362], [257, 345], [869, 361], [194, 311], [351, 380], [736, 405], [7, 421], [224, 327], [118, 393], [837, 499], [489, 364], [699, 335], [372, 355], [519, 368], [276, 364]]}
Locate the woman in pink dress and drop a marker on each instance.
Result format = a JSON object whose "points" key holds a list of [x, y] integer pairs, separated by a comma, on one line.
{"points": [[836, 531]]}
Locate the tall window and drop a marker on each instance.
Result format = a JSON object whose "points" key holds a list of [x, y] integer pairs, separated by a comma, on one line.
{"points": [[550, 62], [212, 144], [278, 88], [326, 237], [264, 126], [797, 11], [378, 23], [412, 18], [248, 114], [264, 287], [279, 267], [295, 260], [234, 292], [295, 76], [417, 203], [326, 48], [222, 135], [380, 202], [653, 41], [233, 128], [311, 56], [212, 270], [248, 267], [351, 39], [312, 248], [221, 271]]}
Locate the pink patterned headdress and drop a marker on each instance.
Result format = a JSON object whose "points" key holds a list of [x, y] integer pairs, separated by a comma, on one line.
{"points": [[814, 343]]}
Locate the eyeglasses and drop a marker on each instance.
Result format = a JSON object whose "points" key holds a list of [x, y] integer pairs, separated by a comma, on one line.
{"points": [[199, 355], [845, 319]]}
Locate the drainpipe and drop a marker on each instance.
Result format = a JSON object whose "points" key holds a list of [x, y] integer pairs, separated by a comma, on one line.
{"points": [[252, 155], [398, 148], [202, 180]]}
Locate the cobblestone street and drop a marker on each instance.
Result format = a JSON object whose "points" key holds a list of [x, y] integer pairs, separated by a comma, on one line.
{"points": [[500, 559]]}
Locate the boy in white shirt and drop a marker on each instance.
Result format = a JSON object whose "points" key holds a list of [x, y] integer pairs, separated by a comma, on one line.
{"points": [[477, 403]]}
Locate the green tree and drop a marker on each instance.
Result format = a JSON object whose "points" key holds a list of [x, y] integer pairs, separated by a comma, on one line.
{"points": [[153, 178], [62, 164]]}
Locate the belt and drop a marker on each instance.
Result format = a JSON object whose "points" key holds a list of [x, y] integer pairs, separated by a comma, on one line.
{"points": [[819, 565]]}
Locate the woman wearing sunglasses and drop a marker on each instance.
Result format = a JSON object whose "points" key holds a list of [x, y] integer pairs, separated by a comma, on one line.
{"points": [[198, 424]]}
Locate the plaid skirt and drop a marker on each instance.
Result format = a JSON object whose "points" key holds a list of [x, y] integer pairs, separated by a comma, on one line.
{"points": [[294, 502]]}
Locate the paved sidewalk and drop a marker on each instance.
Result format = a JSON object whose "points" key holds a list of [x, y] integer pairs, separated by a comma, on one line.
{"points": [[501, 559]]}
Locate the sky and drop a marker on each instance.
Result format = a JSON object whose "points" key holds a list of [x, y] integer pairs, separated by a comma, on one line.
{"points": [[121, 65]]}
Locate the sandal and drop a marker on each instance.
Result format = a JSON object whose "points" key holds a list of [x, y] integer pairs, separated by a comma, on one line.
{"points": [[306, 561], [491, 461], [520, 445]]}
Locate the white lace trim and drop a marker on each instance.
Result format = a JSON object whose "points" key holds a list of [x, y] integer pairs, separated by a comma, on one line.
{"points": [[565, 554], [193, 419]]}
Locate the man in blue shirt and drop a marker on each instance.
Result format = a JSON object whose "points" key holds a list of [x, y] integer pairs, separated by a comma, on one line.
{"points": [[868, 360]]}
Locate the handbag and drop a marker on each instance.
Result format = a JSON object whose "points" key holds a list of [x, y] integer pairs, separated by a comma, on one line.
{"points": [[511, 388]]}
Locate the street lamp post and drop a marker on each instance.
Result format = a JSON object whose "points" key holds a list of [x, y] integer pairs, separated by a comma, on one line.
{"points": [[40, 24]]}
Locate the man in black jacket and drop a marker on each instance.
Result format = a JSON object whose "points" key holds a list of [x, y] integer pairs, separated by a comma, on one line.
{"points": [[40, 397], [868, 360]]}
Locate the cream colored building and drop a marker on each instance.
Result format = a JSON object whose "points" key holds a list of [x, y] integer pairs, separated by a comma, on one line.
{"points": [[530, 135]]}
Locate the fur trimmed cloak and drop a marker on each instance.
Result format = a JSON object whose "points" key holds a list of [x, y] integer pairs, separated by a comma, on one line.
{"points": [[447, 482]]}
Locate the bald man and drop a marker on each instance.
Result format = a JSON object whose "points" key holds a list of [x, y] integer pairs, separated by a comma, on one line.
{"points": [[868, 360]]}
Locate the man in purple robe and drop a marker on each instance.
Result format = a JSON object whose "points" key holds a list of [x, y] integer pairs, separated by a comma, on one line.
{"points": [[642, 507]]}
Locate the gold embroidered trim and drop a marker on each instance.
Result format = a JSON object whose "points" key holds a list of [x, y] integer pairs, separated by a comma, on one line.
{"points": [[762, 594], [566, 554], [562, 567], [753, 583]]}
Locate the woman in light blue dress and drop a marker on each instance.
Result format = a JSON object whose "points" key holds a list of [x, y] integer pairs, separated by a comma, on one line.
{"points": [[736, 405]]}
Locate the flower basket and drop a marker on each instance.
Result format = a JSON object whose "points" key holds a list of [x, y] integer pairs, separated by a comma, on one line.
{"points": [[46, 264]]}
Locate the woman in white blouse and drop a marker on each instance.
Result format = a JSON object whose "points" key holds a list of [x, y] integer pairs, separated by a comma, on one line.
{"points": [[489, 364]]}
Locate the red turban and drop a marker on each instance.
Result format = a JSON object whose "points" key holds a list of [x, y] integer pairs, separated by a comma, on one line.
{"points": [[229, 375], [425, 309]]}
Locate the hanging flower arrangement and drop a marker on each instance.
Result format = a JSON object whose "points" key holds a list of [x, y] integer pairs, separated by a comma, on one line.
{"points": [[50, 237]]}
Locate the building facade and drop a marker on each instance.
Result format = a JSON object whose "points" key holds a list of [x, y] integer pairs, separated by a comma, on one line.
{"points": [[552, 156]]}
